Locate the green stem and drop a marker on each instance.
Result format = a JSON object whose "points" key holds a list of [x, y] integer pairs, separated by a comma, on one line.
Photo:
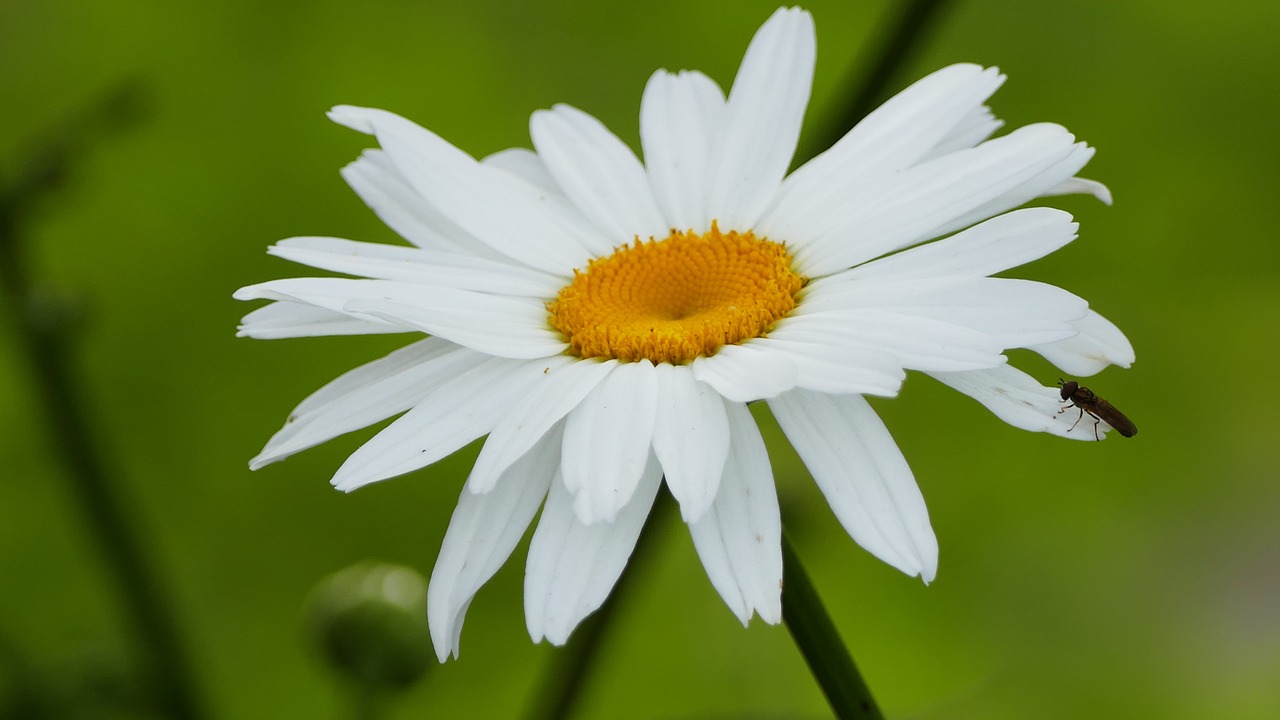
{"points": [[44, 336], [570, 670], [819, 642], [366, 699]]}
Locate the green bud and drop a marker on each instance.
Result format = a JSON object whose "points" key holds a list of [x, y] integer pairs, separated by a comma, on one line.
{"points": [[369, 621]]}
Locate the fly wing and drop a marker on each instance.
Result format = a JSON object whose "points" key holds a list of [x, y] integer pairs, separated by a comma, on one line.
{"points": [[1114, 418]]}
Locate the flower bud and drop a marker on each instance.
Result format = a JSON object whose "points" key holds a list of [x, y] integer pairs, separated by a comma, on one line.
{"points": [[369, 622]]}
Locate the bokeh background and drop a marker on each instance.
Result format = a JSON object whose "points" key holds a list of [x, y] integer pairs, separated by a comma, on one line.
{"points": [[1130, 578]]}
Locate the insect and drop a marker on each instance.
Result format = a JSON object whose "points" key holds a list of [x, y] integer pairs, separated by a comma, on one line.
{"points": [[1100, 410]]}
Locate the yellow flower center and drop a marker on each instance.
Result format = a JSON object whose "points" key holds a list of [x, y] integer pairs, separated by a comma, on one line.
{"points": [[674, 299]]}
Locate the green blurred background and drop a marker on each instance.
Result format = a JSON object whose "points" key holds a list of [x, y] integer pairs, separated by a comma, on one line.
{"points": [[1131, 578]]}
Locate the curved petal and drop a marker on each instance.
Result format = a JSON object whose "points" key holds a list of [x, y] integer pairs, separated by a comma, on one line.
{"points": [[937, 197], [288, 319], [762, 119], [1047, 181], [381, 186], [443, 421], [1081, 186], [975, 128], [747, 372], [1016, 313], [607, 439], [893, 137], [530, 172], [1098, 344], [526, 165], [599, 173], [572, 565], [553, 396], [497, 208], [368, 394], [1018, 399], [680, 115], [1003, 242], [739, 538], [389, 262], [690, 438], [482, 533], [863, 475]]}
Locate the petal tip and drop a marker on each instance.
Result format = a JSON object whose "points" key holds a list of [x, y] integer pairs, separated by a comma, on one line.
{"points": [[356, 118]]}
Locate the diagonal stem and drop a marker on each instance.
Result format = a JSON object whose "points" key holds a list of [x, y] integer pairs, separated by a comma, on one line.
{"points": [[819, 642]]}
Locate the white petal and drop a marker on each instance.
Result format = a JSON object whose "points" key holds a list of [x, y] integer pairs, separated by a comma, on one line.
{"points": [[607, 439], [762, 119], [1099, 344], [526, 165], [917, 343], [894, 136], [599, 173], [1018, 399], [528, 170], [979, 125], [1041, 184], [481, 322], [1016, 313], [326, 293], [863, 475], [739, 539], [286, 319], [497, 208], [573, 566], [551, 398], [1001, 243], [680, 116], [747, 372], [368, 394], [507, 326], [1081, 186], [691, 438], [482, 533], [839, 369], [389, 262], [443, 421], [381, 186], [937, 197]]}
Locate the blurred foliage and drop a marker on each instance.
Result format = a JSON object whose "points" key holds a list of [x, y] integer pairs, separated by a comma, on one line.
{"points": [[1130, 578]]}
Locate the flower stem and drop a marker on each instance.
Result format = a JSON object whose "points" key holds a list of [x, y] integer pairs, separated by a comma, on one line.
{"points": [[366, 699], [44, 333], [819, 642]]}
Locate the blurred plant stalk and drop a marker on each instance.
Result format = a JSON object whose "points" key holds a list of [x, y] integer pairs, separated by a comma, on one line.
{"points": [[45, 326]]}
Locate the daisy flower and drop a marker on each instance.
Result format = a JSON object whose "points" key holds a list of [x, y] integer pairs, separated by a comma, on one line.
{"points": [[606, 321]]}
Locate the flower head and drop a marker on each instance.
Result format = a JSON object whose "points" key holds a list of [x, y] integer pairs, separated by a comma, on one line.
{"points": [[605, 321]]}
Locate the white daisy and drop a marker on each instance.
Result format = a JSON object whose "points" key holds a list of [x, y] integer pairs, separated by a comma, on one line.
{"points": [[605, 321]]}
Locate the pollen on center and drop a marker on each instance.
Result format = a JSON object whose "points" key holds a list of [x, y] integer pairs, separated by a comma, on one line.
{"points": [[674, 299]]}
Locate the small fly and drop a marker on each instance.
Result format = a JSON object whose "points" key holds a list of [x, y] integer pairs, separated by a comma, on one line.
{"points": [[1100, 410]]}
